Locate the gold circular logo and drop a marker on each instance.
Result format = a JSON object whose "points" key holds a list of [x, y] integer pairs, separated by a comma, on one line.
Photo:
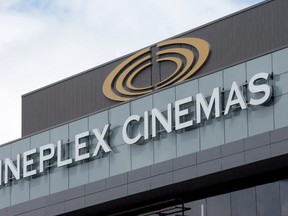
{"points": [[189, 59]]}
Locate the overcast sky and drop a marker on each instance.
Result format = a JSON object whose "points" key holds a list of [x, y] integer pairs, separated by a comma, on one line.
{"points": [[43, 41]]}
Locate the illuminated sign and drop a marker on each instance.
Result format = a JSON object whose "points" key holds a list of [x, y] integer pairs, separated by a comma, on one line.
{"points": [[119, 86], [179, 115]]}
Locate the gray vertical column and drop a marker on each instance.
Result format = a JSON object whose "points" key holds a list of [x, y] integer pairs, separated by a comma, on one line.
{"points": [[243, 202], [120, 157], [164, 143], [39, 186], [5, 191], [211, 131], [59, 175], [260, 120], [98, 166], [268, 199], [20, 190], [155, 72], [219, 205], [236, 124], [284, 197], [78, 174], [188, 139], [142, 154]]}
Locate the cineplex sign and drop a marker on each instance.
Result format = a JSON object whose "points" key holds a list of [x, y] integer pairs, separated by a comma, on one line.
{"points": [[182, 114], [175, 119]]}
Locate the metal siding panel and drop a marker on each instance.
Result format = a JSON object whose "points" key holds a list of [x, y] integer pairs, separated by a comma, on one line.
{"points": [[234, 39], [25, 115], [280, 23], [144, 78], [155, 72]]}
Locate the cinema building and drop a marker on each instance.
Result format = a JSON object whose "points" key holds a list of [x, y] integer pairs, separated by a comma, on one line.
{"points": [[194, 125]]}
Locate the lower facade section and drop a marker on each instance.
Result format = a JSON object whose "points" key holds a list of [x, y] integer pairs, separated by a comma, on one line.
{"points": [[246, 177], [269, 199]]}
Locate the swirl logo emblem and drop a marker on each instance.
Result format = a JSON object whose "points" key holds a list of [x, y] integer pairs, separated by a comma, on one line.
{"points": [[118, 85]]}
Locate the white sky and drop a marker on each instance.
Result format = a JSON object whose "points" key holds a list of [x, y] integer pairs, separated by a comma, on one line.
{"points": [[43, 41]]}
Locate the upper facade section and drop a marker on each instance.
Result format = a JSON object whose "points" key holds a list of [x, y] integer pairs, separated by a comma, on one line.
{"points": [[228, 41], [119, 84]]}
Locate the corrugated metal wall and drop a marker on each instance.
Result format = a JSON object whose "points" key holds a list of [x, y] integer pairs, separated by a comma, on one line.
{"points": [[233, 39]]}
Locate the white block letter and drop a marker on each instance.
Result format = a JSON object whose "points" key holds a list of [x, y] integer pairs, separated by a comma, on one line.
{"points": [[79, 146], [238, 100], [179, 113], [27, 163], [265, 88], [127, 139], [202, 102], [50, 155], [15, 170], [61, 162]]}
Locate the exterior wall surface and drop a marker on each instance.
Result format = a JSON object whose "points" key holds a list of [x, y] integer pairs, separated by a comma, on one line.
{"points": [[234, 39], [203, 139], [232, 165], [247, 202], [201, 177]]}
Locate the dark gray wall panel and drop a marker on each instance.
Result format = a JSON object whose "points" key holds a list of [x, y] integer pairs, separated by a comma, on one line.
{"points": [[268, 199], [233, 39], [244, 202], [239, 37]]}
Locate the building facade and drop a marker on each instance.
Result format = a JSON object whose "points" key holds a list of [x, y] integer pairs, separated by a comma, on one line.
{"points": [[193, 125]]}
